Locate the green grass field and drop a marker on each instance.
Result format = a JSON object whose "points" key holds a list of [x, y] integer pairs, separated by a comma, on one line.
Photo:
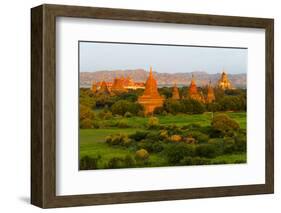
{"points": [[181, 119], [92, 141]]}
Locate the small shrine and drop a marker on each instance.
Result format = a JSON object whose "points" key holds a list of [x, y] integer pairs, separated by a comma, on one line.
{"points": [[224, 82], [210, 94], [175, 93], [193, 92]]}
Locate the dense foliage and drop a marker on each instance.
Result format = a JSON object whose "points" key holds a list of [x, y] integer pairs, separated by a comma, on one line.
{"points": [[156, 140], [185, 145], [125, 104]]}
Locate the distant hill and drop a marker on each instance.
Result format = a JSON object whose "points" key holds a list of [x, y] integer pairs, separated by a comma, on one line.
{"points": [[163, 79]]}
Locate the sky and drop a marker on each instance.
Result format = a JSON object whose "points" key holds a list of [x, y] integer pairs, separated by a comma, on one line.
{"points": [[96, 56]]}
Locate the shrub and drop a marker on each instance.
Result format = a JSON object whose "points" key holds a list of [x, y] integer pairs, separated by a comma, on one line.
{"points": [[229, 148], [176, 152], [157, 147], [105, 114], [88, 163], [86, 98], [151, 146], [153, 122], [122, 124], [122, 106], [237, 144], [118, 162], [173, 130], [142, 154], [96, 124], [139, 135], [129, 161], [115, 162], [192, 106], [172, 106], [240, 143], [118, 139], [105, 100], [199, 136], [86, 124], [229, 145], [163, 135], [129, 96], [85, 112], [232, 102], [186, 161], [202, 138], [229, 140], [206, 150], [154, 136], [224, 124]]}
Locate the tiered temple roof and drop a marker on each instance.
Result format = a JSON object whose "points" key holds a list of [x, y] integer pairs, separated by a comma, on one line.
{"points": [[104, 90], [118, 85], [151, 98], [224, 82], [193, 92], [94, 87], [210, 94], [175, 93]]}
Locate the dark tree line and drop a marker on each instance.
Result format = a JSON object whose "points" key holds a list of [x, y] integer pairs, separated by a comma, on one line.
{"points": [[228, 100]]}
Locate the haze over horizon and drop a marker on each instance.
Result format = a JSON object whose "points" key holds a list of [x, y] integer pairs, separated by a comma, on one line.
{"points": [[96, 56]]}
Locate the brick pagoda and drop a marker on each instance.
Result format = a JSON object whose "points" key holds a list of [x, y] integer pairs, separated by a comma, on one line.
{"points": [[193, 92], [210, 94], [224, 83], [150, 98], [175, 93]]}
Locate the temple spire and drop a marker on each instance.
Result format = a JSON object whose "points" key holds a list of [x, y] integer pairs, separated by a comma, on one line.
{"points": [[210, 93], [151, 97], [224, 82], [175, 92]]}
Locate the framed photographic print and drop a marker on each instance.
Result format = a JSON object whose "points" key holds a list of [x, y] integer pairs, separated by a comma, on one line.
{"points": [[137, 106]]}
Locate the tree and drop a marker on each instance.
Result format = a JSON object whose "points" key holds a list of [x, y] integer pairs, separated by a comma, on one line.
{"points": [[224, 124], [123, 106], [105, 100], [85, 112], [153, 122], [86, 98], [192, 106], [166, 91], [172, 106]]}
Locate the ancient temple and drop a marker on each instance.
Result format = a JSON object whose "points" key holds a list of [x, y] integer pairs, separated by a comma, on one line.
{"points": [[150, 98], [175, 93], [118, 85], [94, 87], [210, 94], [193, 92], [224, 83], [104, 90], [130, 84]]}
